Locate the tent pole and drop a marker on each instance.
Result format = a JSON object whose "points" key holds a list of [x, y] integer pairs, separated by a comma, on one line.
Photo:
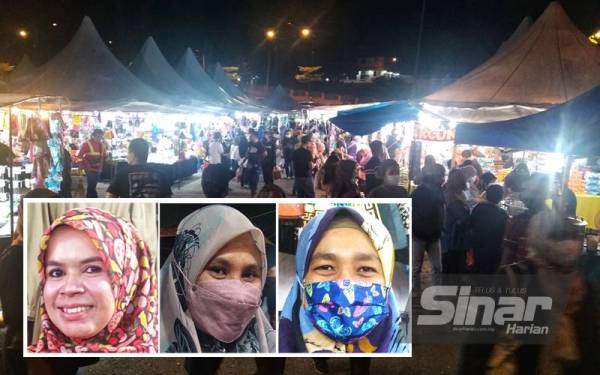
{"points": [[564, 182], [10, 174]]}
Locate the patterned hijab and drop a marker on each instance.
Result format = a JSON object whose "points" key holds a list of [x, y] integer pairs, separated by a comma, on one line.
{"points": [[200, 235], [295, 326], [133, 327]]}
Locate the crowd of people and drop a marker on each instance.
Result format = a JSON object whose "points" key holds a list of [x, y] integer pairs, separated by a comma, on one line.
{"points": [[468, 225], [320, 167]]}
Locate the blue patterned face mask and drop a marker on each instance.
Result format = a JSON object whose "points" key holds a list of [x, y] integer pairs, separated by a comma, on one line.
{"points": [[346, 310]]}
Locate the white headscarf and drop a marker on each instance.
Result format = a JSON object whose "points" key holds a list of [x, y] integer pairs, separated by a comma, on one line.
{"points": [[200, 236]]}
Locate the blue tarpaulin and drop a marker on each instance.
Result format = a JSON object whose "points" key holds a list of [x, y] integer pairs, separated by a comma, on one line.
{"points": [[572, 128], [367, 120]]}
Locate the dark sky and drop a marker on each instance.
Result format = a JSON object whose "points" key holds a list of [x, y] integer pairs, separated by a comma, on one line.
{"points": [[458, 35]]}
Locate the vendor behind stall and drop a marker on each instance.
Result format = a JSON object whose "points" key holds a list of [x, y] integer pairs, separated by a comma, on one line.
{"points": [[139, 179], [93, 156]]}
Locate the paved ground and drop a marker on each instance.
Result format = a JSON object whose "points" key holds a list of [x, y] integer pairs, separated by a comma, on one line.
{"points": [[429, 359], [191, 188]]}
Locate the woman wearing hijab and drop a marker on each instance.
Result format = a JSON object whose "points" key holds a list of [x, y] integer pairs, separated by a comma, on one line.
{"points": [[345, 185], [212, 284], [342, 301], [99, 291]]}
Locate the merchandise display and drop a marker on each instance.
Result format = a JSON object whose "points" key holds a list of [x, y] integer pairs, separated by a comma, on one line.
{"points": [[592, 183]]}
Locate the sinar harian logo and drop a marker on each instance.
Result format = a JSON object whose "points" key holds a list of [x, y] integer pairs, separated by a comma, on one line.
{"points": [[465, 311]]}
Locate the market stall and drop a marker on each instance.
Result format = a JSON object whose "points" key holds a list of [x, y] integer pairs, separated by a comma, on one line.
{"points": [[23, 119], [190, 70], [569, 129], [526, 77]]}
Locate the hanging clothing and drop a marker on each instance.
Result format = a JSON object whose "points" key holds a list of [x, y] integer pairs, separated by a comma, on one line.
{"points": [[133, 327], [200, 236]]}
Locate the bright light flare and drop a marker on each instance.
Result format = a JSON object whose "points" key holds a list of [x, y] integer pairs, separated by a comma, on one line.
{"points": [[270, 34], [23, 33], [305, 32]]}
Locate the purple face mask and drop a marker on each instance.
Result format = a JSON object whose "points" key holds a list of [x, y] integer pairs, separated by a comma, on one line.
{"points": [[223, 308]]}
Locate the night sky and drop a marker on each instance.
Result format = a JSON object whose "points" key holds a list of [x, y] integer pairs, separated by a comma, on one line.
{"points": [[458, 35]]}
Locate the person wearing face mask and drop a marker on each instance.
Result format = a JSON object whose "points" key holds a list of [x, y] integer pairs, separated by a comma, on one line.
{"points": [[391, 182], [342, 300], [212, 284], [99, 288]]}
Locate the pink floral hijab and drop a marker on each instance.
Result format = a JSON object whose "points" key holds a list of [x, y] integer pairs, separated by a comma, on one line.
{"points": [[134, 326]]}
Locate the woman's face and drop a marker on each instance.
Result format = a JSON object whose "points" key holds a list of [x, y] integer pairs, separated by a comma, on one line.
{"points": [[345, 254], [239, 259], [78, 291]]}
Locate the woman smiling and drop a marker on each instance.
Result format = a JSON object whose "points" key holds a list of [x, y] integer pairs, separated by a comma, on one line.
{"points": [[99, 291]]}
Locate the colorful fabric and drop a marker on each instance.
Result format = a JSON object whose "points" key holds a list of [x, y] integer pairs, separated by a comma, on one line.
{"points": [[200, 236], [346, 310], [134, 326], [386, 337]]}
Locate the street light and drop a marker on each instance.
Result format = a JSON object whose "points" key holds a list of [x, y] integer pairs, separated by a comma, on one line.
{"points": [[54, 24], [23, 33], [394, 59], [305, 32], [270, 35]]}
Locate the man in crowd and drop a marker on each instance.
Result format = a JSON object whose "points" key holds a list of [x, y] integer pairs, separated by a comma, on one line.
{"points": [[534, 195], [428, 206], [303, 165], [139, 179], [373, 166], [254, 156], [269, 160], [215, 149], [289, 145], [93, 156]]}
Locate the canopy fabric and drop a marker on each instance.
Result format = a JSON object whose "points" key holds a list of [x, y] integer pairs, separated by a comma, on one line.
{"points": [[519, 32], [87, 73], [280, 100], [572, 128], [221, 79], [551, 64], [151, 66], [481, 114], [190, 70], [23, 73], [7, 99], [367, 120]]}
